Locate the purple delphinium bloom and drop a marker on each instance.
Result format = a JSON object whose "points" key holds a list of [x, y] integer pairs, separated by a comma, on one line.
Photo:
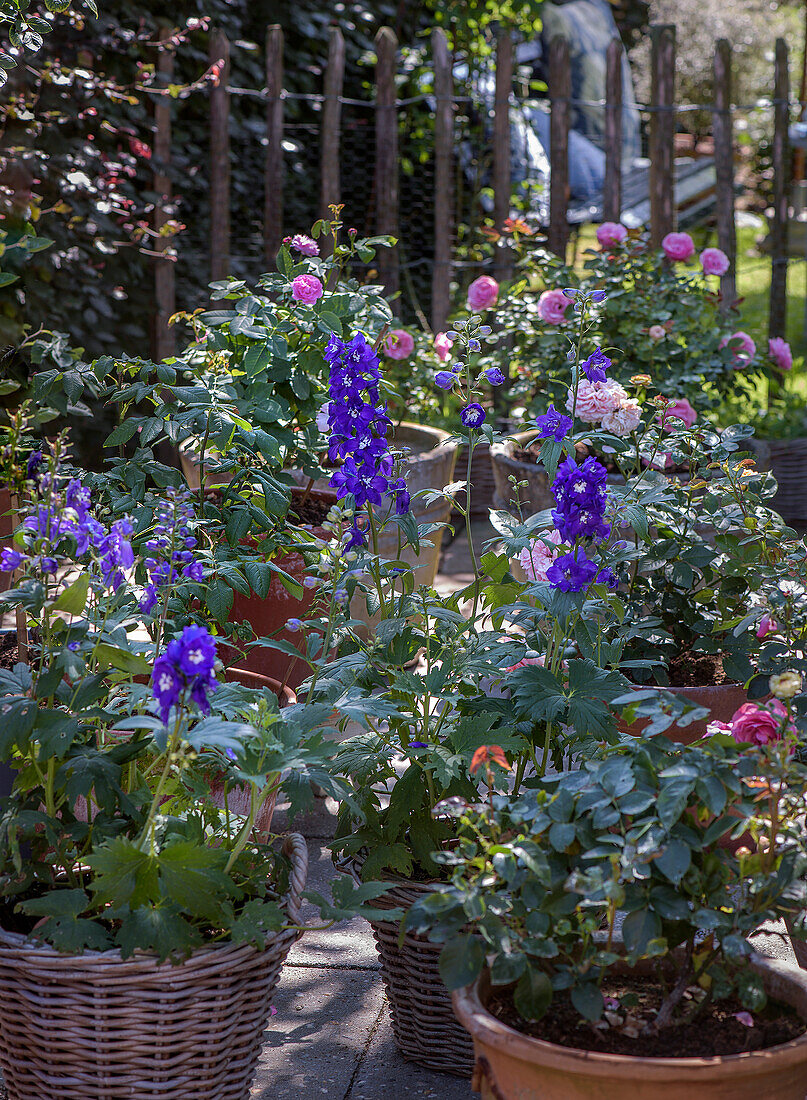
{"points": [[553, 424], [582, 500], [35, 460], [170, 548], [359, 424], [494, 376], [417, 745], [607, 576], [116, 553], [572, 572], [11, 560], [473, 415], [445, 379], [596, 365], [186, 667]]}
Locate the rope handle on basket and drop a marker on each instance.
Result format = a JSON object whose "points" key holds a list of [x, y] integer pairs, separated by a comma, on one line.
{"points": [[483, 1069], [295, 847]]}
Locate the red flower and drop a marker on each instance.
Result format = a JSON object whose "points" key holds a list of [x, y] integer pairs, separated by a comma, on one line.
{"points": [[494, 753]]}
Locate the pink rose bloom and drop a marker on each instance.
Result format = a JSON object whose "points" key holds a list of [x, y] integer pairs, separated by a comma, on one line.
{"points": [[743, 350], [399, 344], [624, 420], [552, 305], [535, 560], [307, 245], [679, 410], [714, 261], [767, 626], [442, 345], [657, 332], [780, 353], [678, 246], [596, 399], [306, 289], [482, 293], [754, 724], [611, 234]]}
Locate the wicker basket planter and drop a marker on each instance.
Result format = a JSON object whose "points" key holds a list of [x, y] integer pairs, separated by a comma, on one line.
{"points": [[425, 1028], [788, 460], [98, 1027]]}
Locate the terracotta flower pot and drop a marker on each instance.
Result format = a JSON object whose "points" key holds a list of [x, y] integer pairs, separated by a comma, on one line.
{"points": [[721, 699], [268, 615], [513, 1066]]}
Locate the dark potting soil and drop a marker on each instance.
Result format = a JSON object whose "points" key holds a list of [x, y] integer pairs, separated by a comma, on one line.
{"points": [[697, 670], [312, 511], [714, 1031], [9, 651]]}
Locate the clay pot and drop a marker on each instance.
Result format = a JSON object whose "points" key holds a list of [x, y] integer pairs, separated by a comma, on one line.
{"points": [[191, 467], [268, 615], [513, 1066], [721, 699]]}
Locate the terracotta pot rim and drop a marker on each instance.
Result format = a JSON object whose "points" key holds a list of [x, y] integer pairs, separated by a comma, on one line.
{"points": [[483, 1025]]}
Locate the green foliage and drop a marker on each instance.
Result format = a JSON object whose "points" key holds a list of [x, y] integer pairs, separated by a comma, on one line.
{"points": [[538, 904]]}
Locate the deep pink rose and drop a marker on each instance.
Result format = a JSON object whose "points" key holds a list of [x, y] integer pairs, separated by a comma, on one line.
{"points": [[678, 410], [755, 724], [552, 305], [306, 289], [442, 345], [743, 348], [307, 245], [767, 626], [714, 261], [482, 293], [678, 246], [611, 234], [780, 353], [399, 344]]}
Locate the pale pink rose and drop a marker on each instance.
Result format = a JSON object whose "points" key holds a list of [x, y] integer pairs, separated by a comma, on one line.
{"points": [[442, 345], [552, 305], [755, 724], [596, 399], [482, 293], [714, 261], [399, 344], [780, 353], [307, 245], [611, 234], [679, 410], [306, 289], [624, 420], [767, 626], [743, 349], [657, 332], [678, 246], [535, 560]]}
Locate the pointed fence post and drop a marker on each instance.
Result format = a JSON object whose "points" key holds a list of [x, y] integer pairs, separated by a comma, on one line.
{"points": [[502, 183], [612, 186], [163, 340], [722, 126], [220, 160], [330, 183], [386, 159], [443, 151], [662, 132], [777, 313], [560, 92]]}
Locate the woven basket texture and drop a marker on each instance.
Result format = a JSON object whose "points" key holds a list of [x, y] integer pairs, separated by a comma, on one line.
{"points": [[425, 1028], [788, 459], [98, 1027], [482, 484]]}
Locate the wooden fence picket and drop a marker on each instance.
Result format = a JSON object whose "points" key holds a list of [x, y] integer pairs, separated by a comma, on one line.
{"points": [[220, 160], [662, 132], [273, 169]]}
